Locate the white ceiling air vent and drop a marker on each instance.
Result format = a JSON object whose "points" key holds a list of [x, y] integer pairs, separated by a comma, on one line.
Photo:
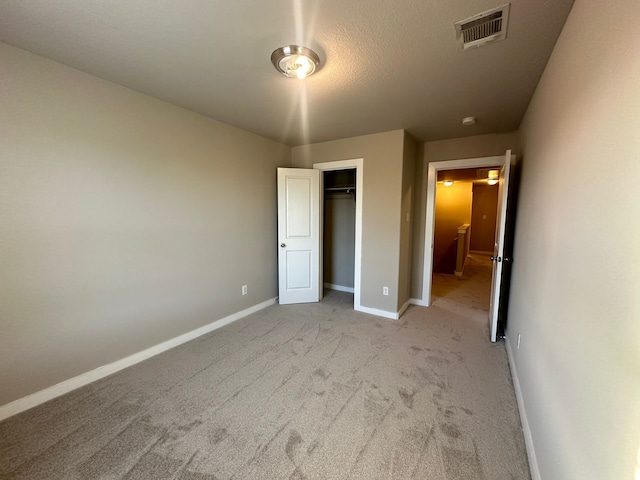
{"points": [[485, 27]]}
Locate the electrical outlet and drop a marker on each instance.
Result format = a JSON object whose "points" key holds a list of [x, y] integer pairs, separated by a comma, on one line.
{"points": [[518, 344], [385, 290], [244, 290]]}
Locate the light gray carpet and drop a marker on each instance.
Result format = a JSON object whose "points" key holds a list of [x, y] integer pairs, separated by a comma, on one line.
{"points": [[306, 391], [469, 294]]}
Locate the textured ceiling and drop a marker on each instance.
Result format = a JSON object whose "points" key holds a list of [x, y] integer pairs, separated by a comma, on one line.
{"points": [[386, 64]]}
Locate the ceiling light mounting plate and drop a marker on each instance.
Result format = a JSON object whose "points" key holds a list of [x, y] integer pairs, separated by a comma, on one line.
{"points": [[295, 61]]}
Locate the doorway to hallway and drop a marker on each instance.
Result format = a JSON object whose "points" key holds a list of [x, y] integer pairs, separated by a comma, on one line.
{"points": [[464, 234], [498, 296]]}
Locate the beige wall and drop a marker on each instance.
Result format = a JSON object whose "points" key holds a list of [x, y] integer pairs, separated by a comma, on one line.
{"points": [[406, 221], [484, 209], [452, 209], [125, 221], [382, 203], [576, 304], [442, 150]]}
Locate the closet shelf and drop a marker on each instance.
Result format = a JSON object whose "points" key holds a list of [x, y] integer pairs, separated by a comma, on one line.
{"points": [[340, 189]]}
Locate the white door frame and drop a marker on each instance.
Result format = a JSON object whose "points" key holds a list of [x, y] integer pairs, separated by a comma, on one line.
{"points": [[429, 227], [358, 164]]}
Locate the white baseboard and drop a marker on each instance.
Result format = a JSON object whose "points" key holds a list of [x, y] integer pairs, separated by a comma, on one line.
{"points": [[30, 401], [377, 312], [404, 308], [419, 302], [339, 288], [383, 313], [526, 430]]}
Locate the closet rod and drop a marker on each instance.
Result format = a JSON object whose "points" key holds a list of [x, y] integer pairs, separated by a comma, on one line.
{"points": [[340, 189]]}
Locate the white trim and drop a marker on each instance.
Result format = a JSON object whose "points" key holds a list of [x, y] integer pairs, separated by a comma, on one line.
{"points": [[377, 312], [419, 302], [358, 164], [383, 313], [339, 288], [35, 399], [404, 308], [524, 420], [429, 225]]}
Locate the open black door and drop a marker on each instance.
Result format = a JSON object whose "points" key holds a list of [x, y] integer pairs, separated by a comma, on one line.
{"points": [[507, 264]]}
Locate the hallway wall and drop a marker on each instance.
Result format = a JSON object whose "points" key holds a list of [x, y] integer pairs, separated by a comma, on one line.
{"points": [[452, 209]]}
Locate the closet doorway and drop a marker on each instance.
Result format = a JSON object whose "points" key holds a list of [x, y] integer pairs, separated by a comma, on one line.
{"points": [[339, 229], [342, 226]]}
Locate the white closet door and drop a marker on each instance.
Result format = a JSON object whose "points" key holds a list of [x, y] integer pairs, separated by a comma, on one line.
{"points": [[299, 272]]}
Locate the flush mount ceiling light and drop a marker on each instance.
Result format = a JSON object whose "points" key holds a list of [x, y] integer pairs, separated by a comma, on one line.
{"points": [[466, 121], [448, 183], [295, 61]]}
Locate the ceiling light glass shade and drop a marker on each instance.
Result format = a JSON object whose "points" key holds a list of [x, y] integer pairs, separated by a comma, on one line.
{"points": [[448, 183], [492, 181], [295, 61]]}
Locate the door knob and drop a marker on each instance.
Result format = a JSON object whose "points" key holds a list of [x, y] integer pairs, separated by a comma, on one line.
{"points": [[496, 259], [283, 245], [507, 259]]}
